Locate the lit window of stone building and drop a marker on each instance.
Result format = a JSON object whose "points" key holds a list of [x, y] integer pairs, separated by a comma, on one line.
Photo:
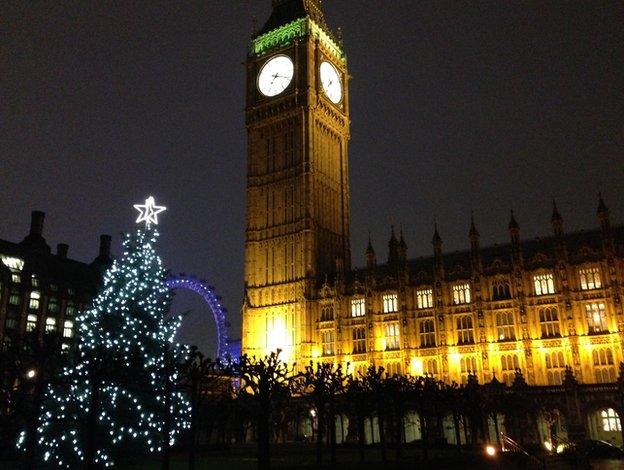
{"points": [[509, 365], [505, 326], [467, 366], [590, 278], [596, 317], [327, 340], [390, 303], [544, 284], [427, 334], [549, 322], [604, 367], [359, 340], [424, 298], [358, 307], [555, 367], [392, 336], [461, 294], [465, 330]]}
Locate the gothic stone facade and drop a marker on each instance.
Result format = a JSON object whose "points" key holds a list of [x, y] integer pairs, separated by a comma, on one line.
{"points": [[535, 305], [538, 306]]}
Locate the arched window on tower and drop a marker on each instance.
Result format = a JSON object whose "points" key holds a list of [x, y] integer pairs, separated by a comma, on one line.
{"points": [[327, 313], [604, 365], [501, 290]]}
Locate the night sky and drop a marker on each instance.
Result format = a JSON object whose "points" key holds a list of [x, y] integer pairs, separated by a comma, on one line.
{"points": [[456, 106]]}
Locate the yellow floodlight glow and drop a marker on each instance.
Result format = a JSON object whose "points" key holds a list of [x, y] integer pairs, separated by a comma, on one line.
{"points": [[277, 338], [416, 366]]}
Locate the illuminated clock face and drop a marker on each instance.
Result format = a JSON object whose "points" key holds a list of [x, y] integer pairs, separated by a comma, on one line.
{"points": [[332, 85], [275, 75]]}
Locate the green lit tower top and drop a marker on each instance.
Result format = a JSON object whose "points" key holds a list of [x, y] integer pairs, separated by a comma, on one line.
{"points": [[292, 19]]}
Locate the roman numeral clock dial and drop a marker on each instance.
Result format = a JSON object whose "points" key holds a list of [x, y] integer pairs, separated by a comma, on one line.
{"points": [[275, 75], [332, 84]]}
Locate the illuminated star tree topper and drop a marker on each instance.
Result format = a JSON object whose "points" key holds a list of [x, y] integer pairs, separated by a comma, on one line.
{"points": [[119, 394], [149, 211]]}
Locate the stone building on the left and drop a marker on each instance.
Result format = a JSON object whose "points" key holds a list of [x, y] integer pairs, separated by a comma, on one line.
{"points": [[41, 290]]}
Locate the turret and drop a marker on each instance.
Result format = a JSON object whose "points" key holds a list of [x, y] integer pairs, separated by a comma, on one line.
{"points": [[393, 249], [514, 230], [437, 251], [473, 234], [371, 258], [402, 250], [475, 253], [557, 221], [604, 216], [514, 234], [557, 224]]}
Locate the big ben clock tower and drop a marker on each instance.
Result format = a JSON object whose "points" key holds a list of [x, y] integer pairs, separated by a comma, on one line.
{"points": [[297, 220]]}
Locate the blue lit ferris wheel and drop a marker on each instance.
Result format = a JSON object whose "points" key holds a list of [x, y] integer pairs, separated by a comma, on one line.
{"points": [[225, 347]]}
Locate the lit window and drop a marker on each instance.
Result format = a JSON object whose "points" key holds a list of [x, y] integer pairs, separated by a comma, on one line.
{"points": [[468, 366], [15, 298], [549, 322], [327, 313], [555, 367], [393, 368], [505, 326], [35, 299], [427, 334], [610, 420], [68, 329], [461, 294], [358, 307], [465, 333], [50, 324], [34, 281], [430, 367], [392, 336], [509, 364], [359, 340], [596, 317], [424, 298], [501, 290], [70, 310], [327, 338], [16, 278], [31, 322], [53, 305], [590, 278], [544, 284], [390, 303], [604, 365], [10, 323], [12, 263]]}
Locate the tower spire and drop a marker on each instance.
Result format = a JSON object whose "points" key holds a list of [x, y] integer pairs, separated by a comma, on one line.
{"points": [[557, 221], [287, 11]]}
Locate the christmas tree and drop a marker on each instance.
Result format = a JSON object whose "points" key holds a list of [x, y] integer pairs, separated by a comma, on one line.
{"points": [[120, 396]]}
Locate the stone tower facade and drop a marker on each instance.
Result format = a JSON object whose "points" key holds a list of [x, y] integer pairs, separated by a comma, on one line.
{"points": [[540, 306], [297, 231]]}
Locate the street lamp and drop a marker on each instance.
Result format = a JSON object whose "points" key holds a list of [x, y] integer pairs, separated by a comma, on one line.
{"points": [[31, 374]]}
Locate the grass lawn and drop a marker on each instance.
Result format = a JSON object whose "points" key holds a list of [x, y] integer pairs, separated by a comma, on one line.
{"points": [[297, 456]]}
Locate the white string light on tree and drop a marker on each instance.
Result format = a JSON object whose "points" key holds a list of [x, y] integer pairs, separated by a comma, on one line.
{"points": [[119, 392]]}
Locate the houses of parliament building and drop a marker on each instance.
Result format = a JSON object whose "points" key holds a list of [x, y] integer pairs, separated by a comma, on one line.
{"points": [[536, 305]]}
